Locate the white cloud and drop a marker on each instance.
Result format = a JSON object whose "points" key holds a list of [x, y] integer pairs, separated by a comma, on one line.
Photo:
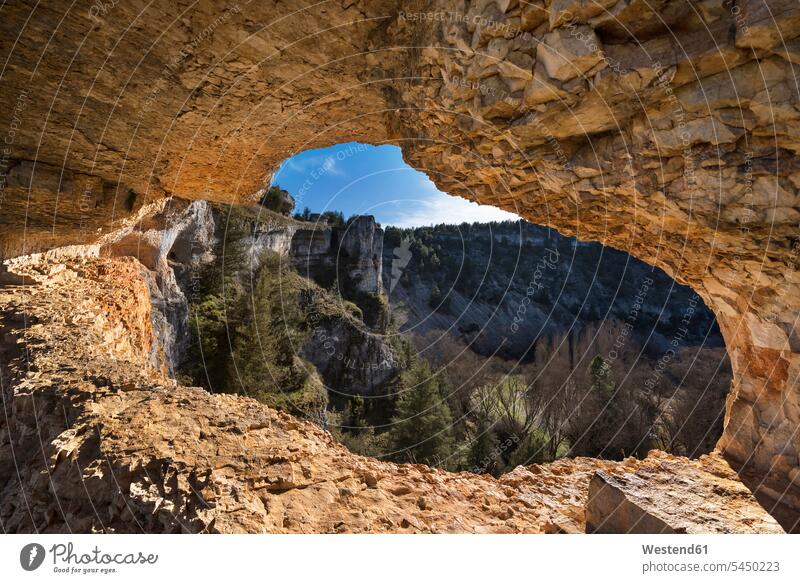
{"points": [[320, 164], [433, 207], [331, 167]]}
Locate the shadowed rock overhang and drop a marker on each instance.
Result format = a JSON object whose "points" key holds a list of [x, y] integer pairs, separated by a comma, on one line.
{"points": [[667, 129]]}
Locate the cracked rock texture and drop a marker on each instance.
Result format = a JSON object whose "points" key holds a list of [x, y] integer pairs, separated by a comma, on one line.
{"points": [[661, 496], [95, 438], [668, 129]]}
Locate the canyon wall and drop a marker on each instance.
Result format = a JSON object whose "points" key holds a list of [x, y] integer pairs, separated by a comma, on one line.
{"points": [[181, 242], [667, 129], [353, 252], [488, 270]]}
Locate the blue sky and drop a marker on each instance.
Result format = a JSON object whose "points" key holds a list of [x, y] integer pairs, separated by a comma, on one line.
{"points": [[360, 179]]}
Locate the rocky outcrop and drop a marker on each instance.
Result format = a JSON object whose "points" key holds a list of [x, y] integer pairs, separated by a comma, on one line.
{"points": [[178, 242], [93, 438], [352, 359], [362, 248], [662, 496], [350, 351], [173, 244], [278, 200], [352, 253], [667, 129]]}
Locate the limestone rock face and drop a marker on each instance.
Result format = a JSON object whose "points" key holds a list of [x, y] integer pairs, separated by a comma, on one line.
{"points": [[566, 55], [667, 129], [352, 358], [355, 250], [362, 245], [665, 495], [94, 438], [172, 242], [178, 239]]}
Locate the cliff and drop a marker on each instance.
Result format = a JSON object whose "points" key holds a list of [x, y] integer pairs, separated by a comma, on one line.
{"points": [[352, 253], [185, 244], [509, 285]]}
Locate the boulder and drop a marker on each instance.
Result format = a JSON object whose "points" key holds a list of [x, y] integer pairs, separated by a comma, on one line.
{"points": [[569, 52], [671, 496]]}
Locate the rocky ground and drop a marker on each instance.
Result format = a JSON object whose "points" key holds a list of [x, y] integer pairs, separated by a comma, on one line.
{"points": [[95, 437]]}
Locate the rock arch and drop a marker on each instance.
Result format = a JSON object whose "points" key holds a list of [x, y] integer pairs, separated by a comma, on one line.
{"points": [[667, 129]]}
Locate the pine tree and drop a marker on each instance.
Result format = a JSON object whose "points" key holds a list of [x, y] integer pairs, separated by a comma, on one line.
{"points": [[483, 449], [422, 427], [264, 360], [609, 416], [601, 377], [356, 413], [435, 298], [303, 216]]}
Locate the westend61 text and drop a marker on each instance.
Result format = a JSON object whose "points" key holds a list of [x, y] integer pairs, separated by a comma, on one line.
{"points": [[675, 550]]}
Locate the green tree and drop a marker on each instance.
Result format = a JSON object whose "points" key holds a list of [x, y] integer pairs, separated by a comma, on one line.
{"points": [[278, 200], [422, 427], [303, 216], [533, 449], [601, 377], [608, 415], [212, 312], [266, 364], [483, 450], [435, 298], [207, 350], [356, 413]]}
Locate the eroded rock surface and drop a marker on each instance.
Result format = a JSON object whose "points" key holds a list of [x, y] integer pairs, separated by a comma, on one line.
{"points": [[667, 129], [93, 437], [667, 495]]}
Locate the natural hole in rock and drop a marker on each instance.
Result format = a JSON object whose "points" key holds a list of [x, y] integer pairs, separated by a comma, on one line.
{"points": [[419, 327]]}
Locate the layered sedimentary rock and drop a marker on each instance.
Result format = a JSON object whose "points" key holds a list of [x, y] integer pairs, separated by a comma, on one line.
{"points": [[675, 146], [667, 495], [94, 438], [667, 129], [173, 241]]}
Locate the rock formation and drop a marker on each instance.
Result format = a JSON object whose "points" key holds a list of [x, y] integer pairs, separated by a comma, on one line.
{"points": [[94, 438], [176, 240], [353, 252], [674, 146], [568, 284], [667, 129], [660, 496]]}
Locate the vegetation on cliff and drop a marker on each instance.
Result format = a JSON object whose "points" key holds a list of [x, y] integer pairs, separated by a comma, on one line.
{"points": [[445, 402], [278, 200], [248, 327]]}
